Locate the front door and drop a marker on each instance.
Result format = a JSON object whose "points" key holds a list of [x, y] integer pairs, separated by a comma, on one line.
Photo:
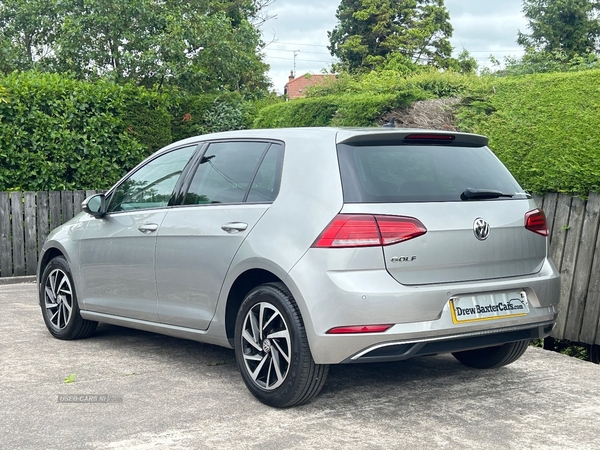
{"points": [[118, 250]]}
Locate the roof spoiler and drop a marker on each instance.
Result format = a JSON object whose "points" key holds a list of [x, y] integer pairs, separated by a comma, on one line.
{"points": [[416, 137]]}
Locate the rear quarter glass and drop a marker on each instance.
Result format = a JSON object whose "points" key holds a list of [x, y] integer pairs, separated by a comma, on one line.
{"points": [[420, 173]]}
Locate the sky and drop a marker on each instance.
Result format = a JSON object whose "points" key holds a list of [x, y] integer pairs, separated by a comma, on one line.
{"points": [[482, 27]]}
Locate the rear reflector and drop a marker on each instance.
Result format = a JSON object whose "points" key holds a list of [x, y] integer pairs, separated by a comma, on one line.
{"points": [[536, 221], [360, 329], [361, 230]]}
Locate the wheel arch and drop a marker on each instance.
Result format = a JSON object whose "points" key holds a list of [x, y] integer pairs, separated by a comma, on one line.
{"points": [[72, 325], [243, 284], [48, 256]]}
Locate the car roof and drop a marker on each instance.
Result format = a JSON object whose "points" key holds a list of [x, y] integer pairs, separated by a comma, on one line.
{"points": [[340, 134]]}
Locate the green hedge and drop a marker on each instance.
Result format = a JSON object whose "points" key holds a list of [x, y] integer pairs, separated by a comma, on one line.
{"points": [[335, 110], [361, 100], [363, 110], [59, 133], [545, 128], [194, 115], [437, 84], [146, 116], [304, 112]]}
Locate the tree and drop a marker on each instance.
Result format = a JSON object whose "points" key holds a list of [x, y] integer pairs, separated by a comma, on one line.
{"points": [[196, 45], [570, 27], [464, 63], [370, 31], [26, 28], [543, 62]]}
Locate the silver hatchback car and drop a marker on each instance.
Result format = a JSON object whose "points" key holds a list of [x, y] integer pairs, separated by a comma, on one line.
{"points": [[301, 248]]}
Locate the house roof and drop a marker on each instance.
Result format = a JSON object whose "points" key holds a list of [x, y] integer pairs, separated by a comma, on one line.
{"points": [[296, 88]]}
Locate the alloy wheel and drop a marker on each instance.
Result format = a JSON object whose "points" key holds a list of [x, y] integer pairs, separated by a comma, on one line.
{"points": [[58, 298], [266, 346]]}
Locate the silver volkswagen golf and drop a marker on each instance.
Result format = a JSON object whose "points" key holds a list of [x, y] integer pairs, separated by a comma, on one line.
{"points": [[301, 248]]}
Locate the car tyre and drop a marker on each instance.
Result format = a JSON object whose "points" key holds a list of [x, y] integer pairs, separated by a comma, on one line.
{"points": [[58, 301], [272, 349], [492, 357]]}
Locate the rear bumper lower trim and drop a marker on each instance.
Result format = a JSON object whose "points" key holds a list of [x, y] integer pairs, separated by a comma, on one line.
{"points": [[400, 350]]}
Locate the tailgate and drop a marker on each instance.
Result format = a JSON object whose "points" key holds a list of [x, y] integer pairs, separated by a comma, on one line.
{"points": [[450, 251]]}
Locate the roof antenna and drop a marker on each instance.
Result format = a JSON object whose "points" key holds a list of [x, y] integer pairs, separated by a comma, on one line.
{"points": [[391, 123]]}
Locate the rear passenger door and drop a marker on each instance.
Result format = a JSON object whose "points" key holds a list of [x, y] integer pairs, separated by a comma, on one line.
{"points": [[233, 184]]}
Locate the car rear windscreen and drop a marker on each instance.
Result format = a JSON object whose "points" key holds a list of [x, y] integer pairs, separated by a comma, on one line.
{"points": [[421, 173]]}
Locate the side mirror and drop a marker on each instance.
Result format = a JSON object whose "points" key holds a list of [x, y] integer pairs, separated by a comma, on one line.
{"points": [[95, 205]]}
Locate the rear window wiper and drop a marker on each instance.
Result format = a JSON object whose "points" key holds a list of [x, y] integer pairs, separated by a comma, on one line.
{"points": [[482, 194]]}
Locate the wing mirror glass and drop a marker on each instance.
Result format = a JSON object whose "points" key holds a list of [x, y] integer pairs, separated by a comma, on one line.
{"points": [[95, 205]]}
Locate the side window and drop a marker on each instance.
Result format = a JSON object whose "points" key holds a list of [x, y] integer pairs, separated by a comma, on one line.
{"points": [[152, 185], [265, 186], [225, 172]]}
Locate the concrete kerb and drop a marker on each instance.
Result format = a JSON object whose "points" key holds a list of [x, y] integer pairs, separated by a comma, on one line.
{"points": [[17, 280]]}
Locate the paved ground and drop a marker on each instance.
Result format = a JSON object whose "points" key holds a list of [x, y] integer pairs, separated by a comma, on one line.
{"points": [[180, 394]]}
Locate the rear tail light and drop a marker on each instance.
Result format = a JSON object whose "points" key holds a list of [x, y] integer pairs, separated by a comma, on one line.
{"points": [[399, 229], [361, 230], [536, 221], [360, 329]]}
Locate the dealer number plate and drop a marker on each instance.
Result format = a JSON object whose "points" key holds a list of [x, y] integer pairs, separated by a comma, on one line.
{"points": [[490, 306]]}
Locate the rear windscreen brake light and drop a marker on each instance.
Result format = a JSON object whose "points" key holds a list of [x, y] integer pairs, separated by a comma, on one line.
{"points": [[430, 137], [362, 230]]}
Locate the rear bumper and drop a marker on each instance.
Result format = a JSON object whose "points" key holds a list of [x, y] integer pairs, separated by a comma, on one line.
{"points": [[403, 341], [398, 351], [362, 292]]}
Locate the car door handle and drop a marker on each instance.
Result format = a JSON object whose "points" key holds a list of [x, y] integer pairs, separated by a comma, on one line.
{"points": [[148, 228], [234, 227]]}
